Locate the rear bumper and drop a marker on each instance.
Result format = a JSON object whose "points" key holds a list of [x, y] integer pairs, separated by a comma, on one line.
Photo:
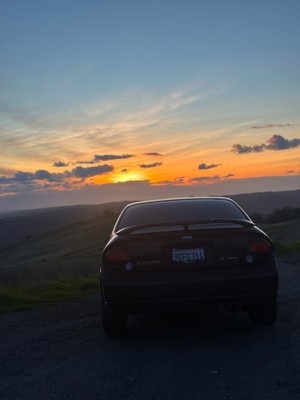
{"points": [[161, 305], [129, 293]]}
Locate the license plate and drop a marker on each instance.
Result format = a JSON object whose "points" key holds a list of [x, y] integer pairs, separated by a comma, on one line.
{"points": [[188, 256]]}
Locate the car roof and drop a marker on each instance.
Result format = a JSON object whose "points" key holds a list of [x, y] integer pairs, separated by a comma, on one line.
{"points": [[180, 199]]}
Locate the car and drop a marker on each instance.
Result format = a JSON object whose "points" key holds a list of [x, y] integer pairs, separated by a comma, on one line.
{"points": [[184, 254]]}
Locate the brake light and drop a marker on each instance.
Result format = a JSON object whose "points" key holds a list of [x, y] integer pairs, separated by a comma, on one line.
{"points": [[117, 255], [258, 251], [260, 246]]}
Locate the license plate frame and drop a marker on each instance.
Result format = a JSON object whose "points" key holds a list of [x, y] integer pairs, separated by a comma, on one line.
{"points": [[188, 256]]}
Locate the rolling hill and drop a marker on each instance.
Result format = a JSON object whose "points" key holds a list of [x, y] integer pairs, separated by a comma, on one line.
{"points": [[22, 225]]}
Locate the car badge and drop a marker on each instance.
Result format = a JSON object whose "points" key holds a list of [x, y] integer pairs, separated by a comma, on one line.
{"points": [[187, 237]]}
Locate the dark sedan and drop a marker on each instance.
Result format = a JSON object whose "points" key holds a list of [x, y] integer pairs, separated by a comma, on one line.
{"points": [[184, 254]]}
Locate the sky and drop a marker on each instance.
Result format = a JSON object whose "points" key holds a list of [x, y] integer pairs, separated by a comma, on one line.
{"points": [[128, 100]]}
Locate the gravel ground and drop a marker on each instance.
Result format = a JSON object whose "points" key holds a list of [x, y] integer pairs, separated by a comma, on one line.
{"points": [[60, 352]]}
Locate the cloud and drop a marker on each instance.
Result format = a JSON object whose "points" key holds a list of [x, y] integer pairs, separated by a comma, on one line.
{"points": [[107, 157], [153, 154], [176, 181], [241, 149], [35, 178], [84, 162], [210, 179], [205, 179], [266, 126], [153, 165], [276, 142], [60, 164], [205, 166], [39, 175], [81, 172]]}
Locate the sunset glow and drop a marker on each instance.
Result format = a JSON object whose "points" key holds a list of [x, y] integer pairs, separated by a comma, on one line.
{"points": [[130, 106]]}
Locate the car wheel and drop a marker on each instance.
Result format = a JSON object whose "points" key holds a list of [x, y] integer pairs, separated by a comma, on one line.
{"points": [[114, 324], [263, 314]]}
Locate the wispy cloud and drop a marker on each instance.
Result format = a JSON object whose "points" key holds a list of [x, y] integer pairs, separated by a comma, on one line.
{"points": [[205, 179], [276, 142], [152, 154], [176, 181], [267, 126], [153, 165], [107, 157], [84, 162], [204, 166]]}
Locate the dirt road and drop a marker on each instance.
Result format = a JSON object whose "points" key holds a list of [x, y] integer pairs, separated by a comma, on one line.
{"points": [[60, 352]]}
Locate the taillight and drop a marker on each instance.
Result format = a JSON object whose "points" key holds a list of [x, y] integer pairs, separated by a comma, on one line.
{"points": [[260, 246], [258, 251], [117, 255]]}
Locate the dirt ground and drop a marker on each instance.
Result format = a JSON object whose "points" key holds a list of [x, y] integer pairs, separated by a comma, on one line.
{"points": [[60, 352]]}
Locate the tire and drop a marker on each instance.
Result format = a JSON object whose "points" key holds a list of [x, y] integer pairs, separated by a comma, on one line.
{"points": [[263, 314], [114, 324]]}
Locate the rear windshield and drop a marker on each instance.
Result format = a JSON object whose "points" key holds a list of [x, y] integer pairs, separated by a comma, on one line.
{"points": [[179, 211]]}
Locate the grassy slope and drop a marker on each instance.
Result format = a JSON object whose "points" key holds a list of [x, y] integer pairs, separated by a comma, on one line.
{"points": [[285, 232], [60, 265], [64, 263], [70, 251]]}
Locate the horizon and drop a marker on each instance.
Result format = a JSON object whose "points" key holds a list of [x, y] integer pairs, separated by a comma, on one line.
{"points": [[44, 205], [104, 102]]}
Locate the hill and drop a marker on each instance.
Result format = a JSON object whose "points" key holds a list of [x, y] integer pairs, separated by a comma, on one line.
{"points": [[21, 225], [267, 202], [74, 250]]}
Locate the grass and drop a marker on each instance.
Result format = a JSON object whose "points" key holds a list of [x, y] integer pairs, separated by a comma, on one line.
{"points": [[286, 249], [20, 297], [63, 264]]}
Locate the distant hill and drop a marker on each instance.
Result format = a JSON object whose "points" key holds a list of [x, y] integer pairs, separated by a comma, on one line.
{"points": [[20, 225], [267, 202], [75, 250]]}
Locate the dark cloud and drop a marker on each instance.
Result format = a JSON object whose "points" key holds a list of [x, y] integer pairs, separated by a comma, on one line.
{"points": [[276, 142], [153, 165], [266, 126], [23, 176], [241, 149], [60, 164], [210, 179], [176, 181], [153, 154], [81, 172], [124, 170], [205, 179], [30, 178], [205, 166], [84, 162], [107, 157]]}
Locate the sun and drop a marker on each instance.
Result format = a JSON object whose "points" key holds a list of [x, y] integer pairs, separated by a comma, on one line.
{"points": [[128, 176]]}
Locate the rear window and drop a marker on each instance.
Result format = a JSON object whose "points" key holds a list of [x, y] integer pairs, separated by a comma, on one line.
{"points": [[179, 211]]}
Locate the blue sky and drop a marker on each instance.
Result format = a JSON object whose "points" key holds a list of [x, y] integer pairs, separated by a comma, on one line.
{"points": [[184, 81]]}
